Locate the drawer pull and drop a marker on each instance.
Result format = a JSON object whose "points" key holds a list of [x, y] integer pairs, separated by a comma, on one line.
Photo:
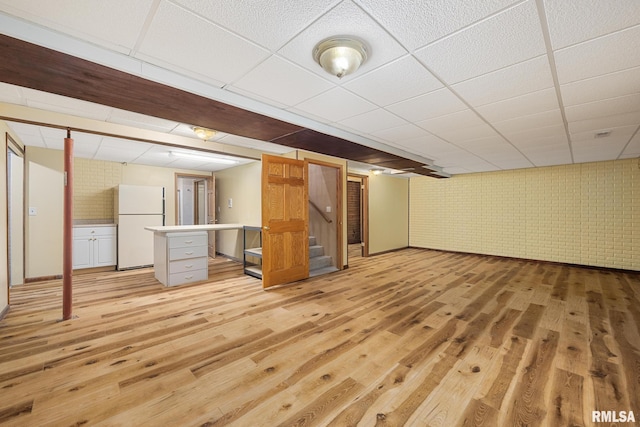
{"points": [[188, 277], [189, 253], [188, 266], [188, 241]]}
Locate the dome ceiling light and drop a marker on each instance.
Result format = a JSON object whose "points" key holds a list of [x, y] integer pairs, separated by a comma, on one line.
{"points": [[340, 56], [203, 133]]}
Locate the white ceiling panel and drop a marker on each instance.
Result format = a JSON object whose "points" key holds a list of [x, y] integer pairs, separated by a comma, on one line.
{"points": [[597, 150], [466, 133], [633, 148], [475, 50], [10, 94], [373, 121], [402, 133], [94, 20], [406, 18], [550, 156], [602, 87], [614, 52], [383, 87], [345, 19], [65, 105], [120, 150], [142, 121], [603, 123], [524, 123], [85, 145], [556, 131], [607, 107], [434, 104], [461, 119], [281, 81], [254, 20], [336, 105], [524, 105], [179, 39], [619, 136], [572, 22], [515, 80]]}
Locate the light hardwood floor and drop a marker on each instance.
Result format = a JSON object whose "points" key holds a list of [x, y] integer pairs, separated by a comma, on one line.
{"points": [[413, 337]]}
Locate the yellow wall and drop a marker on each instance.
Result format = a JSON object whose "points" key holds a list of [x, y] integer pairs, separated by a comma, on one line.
{"points": [[581, 214], [388, 213], [93, 188], [242, 185]]}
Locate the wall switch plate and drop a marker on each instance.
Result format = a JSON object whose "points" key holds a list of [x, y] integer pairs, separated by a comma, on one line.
{"points": [[328, 209], [33, 211], [230, 203]]}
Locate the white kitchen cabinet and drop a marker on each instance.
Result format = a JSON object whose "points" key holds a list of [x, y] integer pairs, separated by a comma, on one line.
{"points": [[180, 258], [94, 246]]}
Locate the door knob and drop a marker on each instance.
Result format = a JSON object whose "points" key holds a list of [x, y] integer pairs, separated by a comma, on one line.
{"points": [[267, 228]]}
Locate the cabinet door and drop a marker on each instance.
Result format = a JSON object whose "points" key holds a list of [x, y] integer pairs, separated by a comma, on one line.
{"points": [[104, 251], [82, 252]]}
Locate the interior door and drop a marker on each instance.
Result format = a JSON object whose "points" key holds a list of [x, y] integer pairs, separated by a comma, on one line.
{"points": [[285, 221]]}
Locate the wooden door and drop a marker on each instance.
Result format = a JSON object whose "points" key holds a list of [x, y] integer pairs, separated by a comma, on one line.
{"points": [[285, 221], [211, 213]]}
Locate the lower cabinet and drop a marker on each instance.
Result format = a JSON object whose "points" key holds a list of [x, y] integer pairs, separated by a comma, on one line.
{"points": [[94, 246], [181, 258]]}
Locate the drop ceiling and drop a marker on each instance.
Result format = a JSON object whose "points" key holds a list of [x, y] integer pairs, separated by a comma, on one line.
{"points": [[463, 86]]}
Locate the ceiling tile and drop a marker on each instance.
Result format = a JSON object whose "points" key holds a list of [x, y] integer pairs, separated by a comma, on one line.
{"points": [[373, 121], [607, 107], [518, 137], [94, 20], [142, 121], [572, 22], [280, 80], [254, 20], [464, 118], [516, 80], [434, 104], [344, 19], [619, 135], [180, 40], [393, 82], [466, 133], [401, 133], [65, 105], [524, 123], [432, 147], [593, 150], [336, 105], [29, 135], [121, 150], [476, 50], [406, 18], [633, 148], [524, 105], [10, 94], [601, 87], [603, 123], [615, 52]]}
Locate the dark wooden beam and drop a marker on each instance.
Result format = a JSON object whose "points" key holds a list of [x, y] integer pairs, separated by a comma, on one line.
{"points": [[36, 67]]}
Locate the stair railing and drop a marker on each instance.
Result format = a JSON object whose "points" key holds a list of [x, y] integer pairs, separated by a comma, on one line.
{"points": [[324, 215]]}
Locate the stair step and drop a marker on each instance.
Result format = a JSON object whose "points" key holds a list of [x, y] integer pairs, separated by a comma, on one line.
{"points": [[320, 262], [315, 251], [312, 241]]}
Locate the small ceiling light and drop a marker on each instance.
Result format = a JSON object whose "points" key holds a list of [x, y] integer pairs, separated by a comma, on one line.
{"points": [[376, 171], [202, 158], [340, 56], [203, 133]]}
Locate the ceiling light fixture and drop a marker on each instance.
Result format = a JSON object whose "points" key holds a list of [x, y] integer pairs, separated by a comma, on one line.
{"points": [[203, 133], [376, 171], [340, 56], [202, 158]]}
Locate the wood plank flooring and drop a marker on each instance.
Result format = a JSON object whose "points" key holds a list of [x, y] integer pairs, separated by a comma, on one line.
{"points": [[414, 337]]}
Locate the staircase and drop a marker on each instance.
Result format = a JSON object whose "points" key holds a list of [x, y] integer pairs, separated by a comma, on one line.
{"points": [[319, 263]]}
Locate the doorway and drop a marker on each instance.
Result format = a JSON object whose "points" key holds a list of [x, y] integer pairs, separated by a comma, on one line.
{"points": [[15, 213], [357, 215], [195, 203]]}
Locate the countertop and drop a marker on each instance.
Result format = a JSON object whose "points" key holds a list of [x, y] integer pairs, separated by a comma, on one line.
{"points": [[183, 228]]}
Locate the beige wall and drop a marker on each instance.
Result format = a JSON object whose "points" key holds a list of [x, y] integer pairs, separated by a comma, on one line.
{"points": [[93, 199], [581, 214], [388, 213], [242, 185]]}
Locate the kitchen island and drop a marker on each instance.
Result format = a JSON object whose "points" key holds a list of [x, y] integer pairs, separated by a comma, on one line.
{"points": [[180, 252]]}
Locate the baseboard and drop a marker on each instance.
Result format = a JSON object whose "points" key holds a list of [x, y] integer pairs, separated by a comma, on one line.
{"points": [[4, 312], [42, 278]]}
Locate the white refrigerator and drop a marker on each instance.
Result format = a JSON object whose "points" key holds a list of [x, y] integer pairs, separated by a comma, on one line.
{"points": [[136, 207]]}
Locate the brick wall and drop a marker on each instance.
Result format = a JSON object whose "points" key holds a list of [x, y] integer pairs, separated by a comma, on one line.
{"points": [[93, 188], [353, 212], [581, 214]]}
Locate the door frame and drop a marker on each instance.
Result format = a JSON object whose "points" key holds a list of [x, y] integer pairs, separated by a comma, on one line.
{"points": [[339, 206], [14, 147], [364, 211]]}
